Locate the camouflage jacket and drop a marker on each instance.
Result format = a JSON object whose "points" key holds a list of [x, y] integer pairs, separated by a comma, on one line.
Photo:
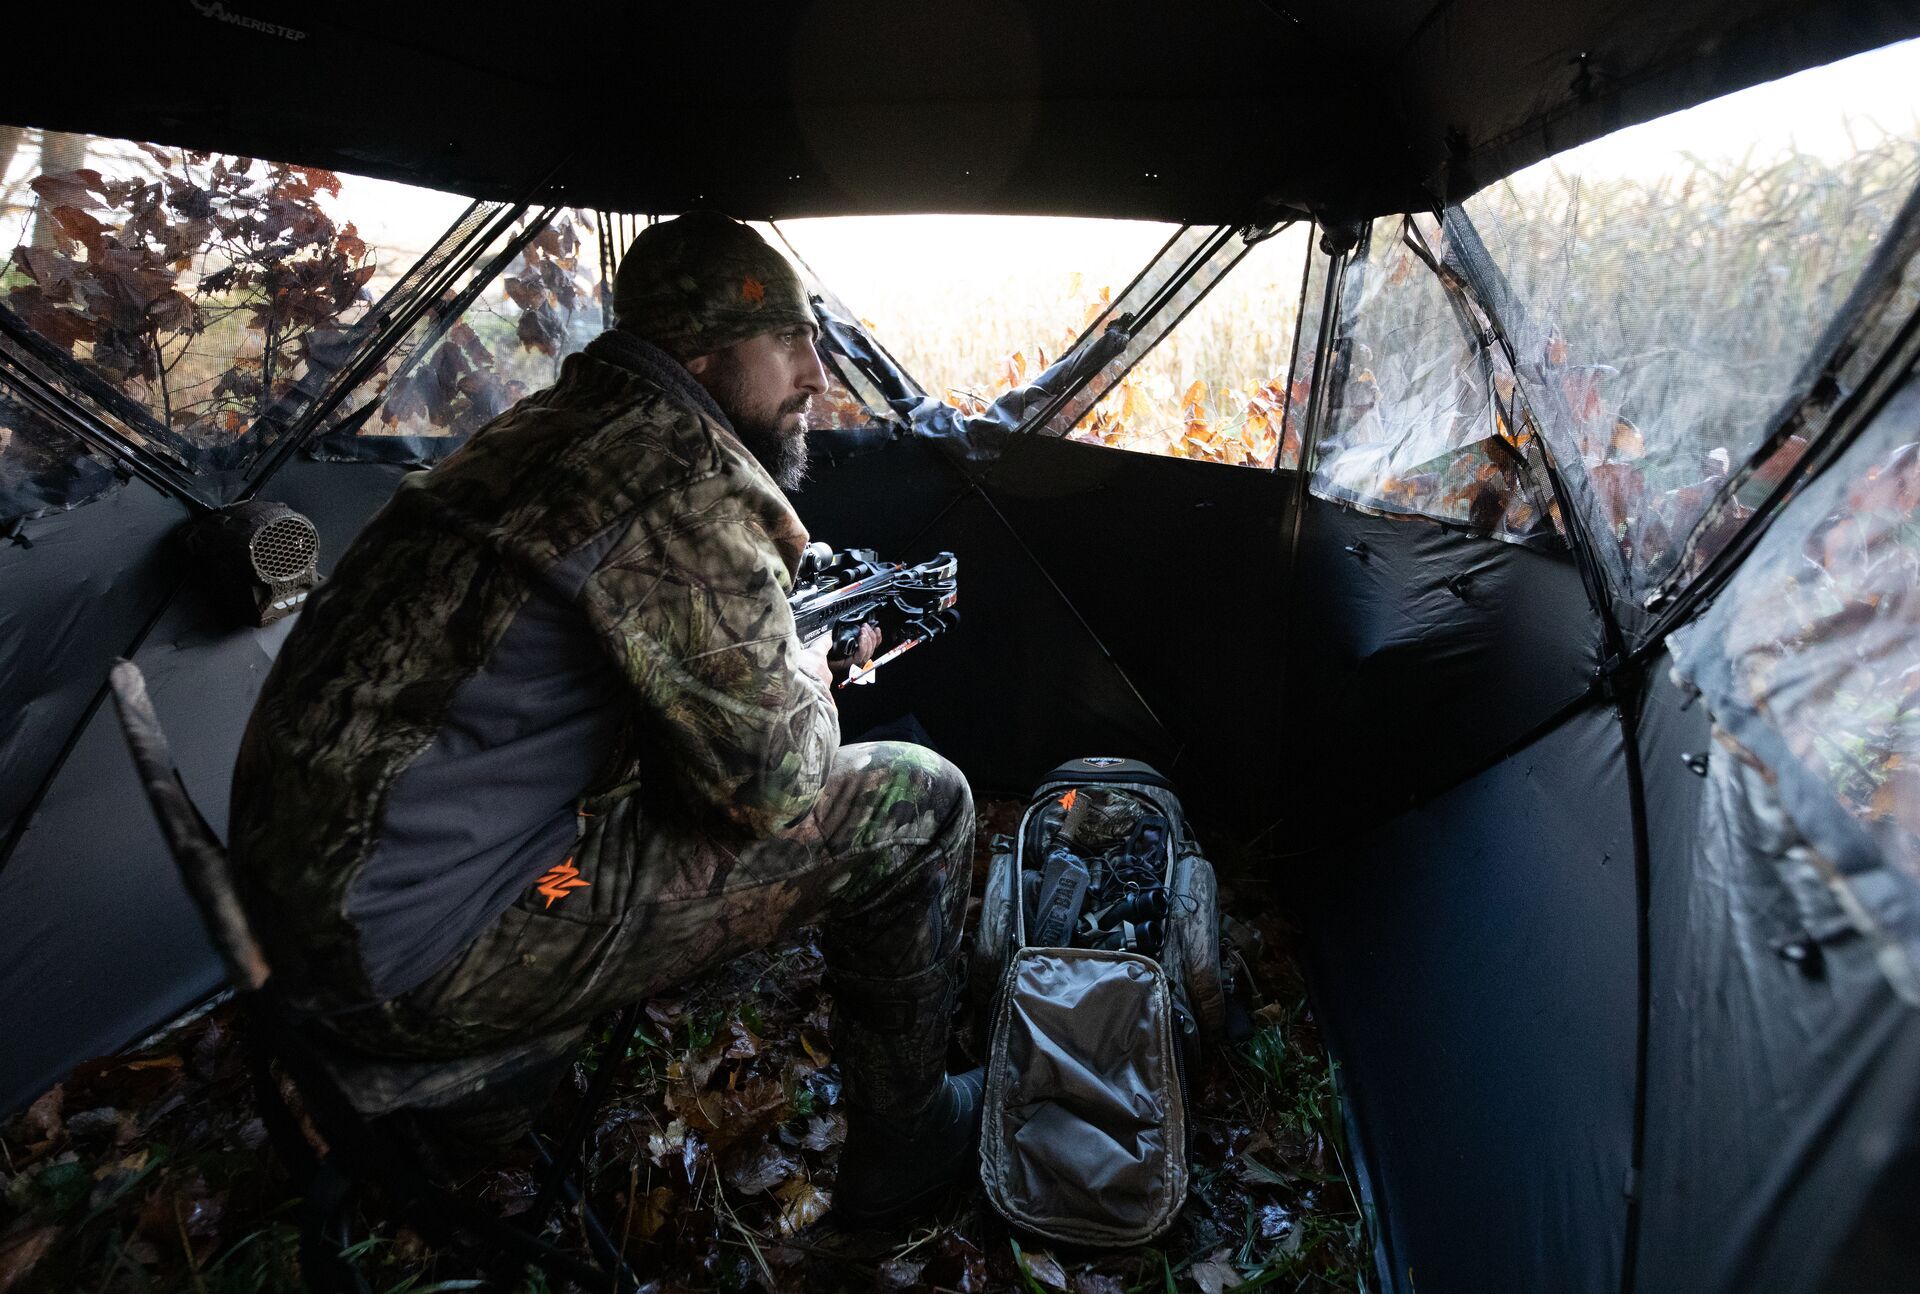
{"points": [[618, 500]]}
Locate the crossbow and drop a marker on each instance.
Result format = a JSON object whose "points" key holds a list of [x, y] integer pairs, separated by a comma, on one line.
{"points": [[838, 592]]}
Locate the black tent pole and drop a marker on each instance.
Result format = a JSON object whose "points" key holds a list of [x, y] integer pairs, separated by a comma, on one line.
{"points": [[1339, 244]]}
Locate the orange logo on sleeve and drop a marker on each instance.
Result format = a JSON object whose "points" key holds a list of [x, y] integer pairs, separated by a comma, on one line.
{"points": [[560, 880]]}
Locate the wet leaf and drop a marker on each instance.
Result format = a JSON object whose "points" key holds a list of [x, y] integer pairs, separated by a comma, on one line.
{"points": [[734, 1041], [825, 1131], [757, 1169], [21, 1250], [693, 1153], [1097, 1283], [651, 1212], [127, 1081], [1215, 1274], [898, 1274], [1043, 1267], [43, 1116], [1253, 1172], [753, 1109], [660, 1145], [801, 1205]]}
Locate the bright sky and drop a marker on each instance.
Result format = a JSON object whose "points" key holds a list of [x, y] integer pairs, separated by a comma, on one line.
{"points": [[1829, 111]]}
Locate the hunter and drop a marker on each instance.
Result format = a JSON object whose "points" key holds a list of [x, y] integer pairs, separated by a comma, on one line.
{"points": [[546, 742]]}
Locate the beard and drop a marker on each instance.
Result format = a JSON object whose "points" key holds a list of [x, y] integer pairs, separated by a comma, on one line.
{"points": [[760, 427]]}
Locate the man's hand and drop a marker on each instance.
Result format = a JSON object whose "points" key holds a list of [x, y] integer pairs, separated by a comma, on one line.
{"points": [[863, 651], [813, 659]]}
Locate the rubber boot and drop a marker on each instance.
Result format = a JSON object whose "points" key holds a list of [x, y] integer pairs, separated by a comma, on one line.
{"points": [[487, 1129], [913, 1131]]}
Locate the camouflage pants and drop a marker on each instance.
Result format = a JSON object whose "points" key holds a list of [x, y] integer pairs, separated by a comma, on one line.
{"points": [[883, 859]]}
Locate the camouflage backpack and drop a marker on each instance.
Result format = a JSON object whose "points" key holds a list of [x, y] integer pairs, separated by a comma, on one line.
{"points": [[1098, 968]]}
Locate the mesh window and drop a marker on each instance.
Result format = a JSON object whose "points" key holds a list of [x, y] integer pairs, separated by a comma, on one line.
{"points": [[973, 306], [215, 293], [445, 381], [1422, 419], [1810, 658], [1215, 387], [1673, 280], [44, 469]]}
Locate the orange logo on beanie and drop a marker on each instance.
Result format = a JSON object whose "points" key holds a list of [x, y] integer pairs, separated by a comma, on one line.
{"points": [[752, 290]]}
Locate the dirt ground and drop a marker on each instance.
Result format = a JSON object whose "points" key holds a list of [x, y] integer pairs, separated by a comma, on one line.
{"points": [[713, 1164]]}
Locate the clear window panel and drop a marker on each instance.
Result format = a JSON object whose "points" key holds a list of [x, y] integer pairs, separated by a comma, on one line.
{"points": [[1673, 280], [1810, 660], [1421, 420], [44, 469]]}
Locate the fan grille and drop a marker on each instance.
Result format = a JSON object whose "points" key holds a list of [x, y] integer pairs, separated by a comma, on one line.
{"points": [[284, 549]]}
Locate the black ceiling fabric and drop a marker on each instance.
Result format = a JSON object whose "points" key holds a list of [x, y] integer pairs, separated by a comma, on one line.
{"points": [[1221, 112], [103, 941], [78, 592], [1783, 1073], [1473, 965], [1419, 654]]}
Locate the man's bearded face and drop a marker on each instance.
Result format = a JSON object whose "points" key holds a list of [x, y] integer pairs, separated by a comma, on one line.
{"points": [[764, 385]]}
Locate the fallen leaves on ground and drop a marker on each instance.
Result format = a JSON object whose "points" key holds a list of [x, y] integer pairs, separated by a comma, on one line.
{"points": [[713, 1162]]}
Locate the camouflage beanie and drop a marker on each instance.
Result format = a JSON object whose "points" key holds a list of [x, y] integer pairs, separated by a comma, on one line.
{"points": [[700, 282]]}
